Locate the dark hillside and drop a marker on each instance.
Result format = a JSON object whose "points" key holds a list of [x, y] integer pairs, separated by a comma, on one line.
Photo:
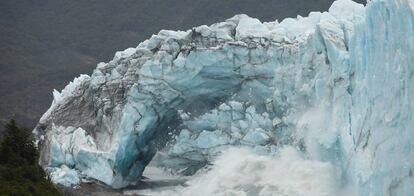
{"points": [[45, 44]]}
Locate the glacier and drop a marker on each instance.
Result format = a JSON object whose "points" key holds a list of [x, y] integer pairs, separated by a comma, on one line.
{"points": [[336, 86]]}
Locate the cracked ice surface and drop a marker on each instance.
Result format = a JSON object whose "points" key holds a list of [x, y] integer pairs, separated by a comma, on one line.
{"points": [[335, 85]]}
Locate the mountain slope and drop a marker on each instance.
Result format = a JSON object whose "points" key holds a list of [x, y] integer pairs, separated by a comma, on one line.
{"points": [[44, 44]]}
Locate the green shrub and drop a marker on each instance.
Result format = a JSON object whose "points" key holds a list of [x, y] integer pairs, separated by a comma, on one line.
{"points": [[20, 173]]}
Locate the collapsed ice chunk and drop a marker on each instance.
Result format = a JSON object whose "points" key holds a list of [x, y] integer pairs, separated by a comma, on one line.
{"points": [[257, 137], [64, 176]]}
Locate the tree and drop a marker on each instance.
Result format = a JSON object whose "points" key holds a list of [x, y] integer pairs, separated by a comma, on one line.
{"points": [[17, 147], [20, 173]]}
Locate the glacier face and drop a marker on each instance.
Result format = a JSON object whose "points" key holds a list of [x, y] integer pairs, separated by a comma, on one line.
{"points": [[335, 85], [383, 98]]}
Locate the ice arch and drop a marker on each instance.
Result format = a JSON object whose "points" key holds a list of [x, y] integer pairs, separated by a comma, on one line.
{"points": [[128, 106], [316, 82]]}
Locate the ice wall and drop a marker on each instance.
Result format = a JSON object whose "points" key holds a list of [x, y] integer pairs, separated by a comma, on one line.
{"points": [[381, 53], [335, 85]]}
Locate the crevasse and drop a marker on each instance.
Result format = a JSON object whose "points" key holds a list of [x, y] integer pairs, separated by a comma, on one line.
{"points": [[335, 85]]}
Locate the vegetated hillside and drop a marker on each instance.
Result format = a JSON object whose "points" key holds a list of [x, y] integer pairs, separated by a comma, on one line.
{"points": [[45, 44], [20, 173]]}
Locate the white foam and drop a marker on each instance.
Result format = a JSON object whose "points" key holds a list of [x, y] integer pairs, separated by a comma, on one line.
{"points": [[242, 172]]}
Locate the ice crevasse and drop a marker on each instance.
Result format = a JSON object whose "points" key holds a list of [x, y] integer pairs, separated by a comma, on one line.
{"points": [[338, 86]]}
